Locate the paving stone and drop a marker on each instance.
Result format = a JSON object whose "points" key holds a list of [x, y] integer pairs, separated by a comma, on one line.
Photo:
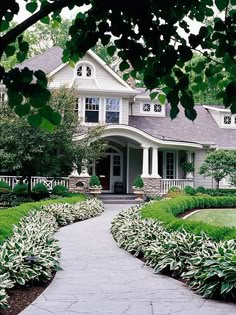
{"points": [[99, 278]]}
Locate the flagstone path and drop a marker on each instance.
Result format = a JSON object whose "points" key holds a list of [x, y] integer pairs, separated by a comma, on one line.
{"points": [[98, 278]]}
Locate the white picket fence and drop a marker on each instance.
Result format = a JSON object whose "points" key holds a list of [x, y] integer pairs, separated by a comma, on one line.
{"points": [[49, 182], [166, 184]]}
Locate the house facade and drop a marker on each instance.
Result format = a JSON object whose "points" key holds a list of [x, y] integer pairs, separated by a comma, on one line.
{"points": [[142, 138]]}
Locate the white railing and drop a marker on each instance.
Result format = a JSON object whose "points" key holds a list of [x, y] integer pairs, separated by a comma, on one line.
{"points": [[166, 184], [49, 182]]}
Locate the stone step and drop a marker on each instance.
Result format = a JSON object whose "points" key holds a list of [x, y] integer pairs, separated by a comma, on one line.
{"points": [[117, 196], [120, 201]]}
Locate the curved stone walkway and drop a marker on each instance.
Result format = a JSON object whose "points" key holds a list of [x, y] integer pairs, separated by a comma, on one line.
{"points": [[99, 278]]}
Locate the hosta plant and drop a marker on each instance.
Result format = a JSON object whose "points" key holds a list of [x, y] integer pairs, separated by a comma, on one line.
{"points": [[5, 283]]}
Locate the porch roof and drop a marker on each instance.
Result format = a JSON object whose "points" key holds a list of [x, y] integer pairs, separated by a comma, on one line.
{"points": [[204, 130]]}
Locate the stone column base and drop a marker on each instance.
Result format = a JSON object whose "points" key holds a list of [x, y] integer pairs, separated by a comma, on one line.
{"points": [[79, 184], [152, 186]]}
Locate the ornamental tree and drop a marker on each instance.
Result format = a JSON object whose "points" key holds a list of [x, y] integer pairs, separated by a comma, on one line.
{"points": [[218, 165], [27, 151], [153, 39]]}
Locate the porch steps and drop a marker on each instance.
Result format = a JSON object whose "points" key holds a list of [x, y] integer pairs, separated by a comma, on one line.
{"points": [[119, 199]]}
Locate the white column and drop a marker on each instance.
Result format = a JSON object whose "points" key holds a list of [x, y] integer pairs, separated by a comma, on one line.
{"points": [[155, 162], [145, 162], [189, 175]]}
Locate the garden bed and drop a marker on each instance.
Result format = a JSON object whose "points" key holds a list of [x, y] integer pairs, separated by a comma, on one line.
{"points": [[31, 253], [200, 254]]}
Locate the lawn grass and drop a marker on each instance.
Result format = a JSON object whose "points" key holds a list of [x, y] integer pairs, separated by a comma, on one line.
{"points": [[219, 217], [11, 216]]}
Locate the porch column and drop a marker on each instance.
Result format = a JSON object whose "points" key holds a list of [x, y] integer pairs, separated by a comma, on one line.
{"points": [[155, 162], [145, 162], [189, 175]]}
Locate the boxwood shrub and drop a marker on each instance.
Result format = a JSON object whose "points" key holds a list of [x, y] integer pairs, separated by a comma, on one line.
{"points": [[20, 189], [167, 211], [40, 191], [60, 190], [4, 188]]}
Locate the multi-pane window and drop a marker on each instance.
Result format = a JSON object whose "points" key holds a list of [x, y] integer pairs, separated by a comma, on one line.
{"points": [[116, 165], [92, 109], [112, 110], [79, 71], [84, 71], [157, 108], [152, 108], [170, 165], [146, 107], [227, 120]]}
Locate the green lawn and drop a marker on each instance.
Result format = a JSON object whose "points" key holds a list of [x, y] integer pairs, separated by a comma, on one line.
{"points": [[11, 216], [220, 217]]}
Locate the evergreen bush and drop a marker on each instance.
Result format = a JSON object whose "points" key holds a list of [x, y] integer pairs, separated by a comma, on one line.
{"points": [[60, 190], [138, 182], [20, 189], [40, 191], [94, 181], [189, 190], [4, 188]]}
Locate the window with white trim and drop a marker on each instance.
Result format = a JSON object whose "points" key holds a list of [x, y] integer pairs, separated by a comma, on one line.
{"points": [[229, 120], [84, 71], [112, 110], [152, 108], [92, 109]]}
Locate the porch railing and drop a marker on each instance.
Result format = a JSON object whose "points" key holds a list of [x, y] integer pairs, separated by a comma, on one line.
{"points": [[166, 184], [49, 182]]}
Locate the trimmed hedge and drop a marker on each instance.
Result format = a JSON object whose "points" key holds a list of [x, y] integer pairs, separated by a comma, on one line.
{"points": [[167, 211], [12, 216], [60, 190], [4, 187]]}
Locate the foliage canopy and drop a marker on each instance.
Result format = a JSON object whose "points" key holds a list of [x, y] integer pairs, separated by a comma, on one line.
{"points": [[153, 38]]}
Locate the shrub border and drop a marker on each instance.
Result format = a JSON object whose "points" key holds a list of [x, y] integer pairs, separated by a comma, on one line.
{"points": [[167, 211]]}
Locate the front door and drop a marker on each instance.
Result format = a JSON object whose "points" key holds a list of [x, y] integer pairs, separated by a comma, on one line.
{"points": [[103, 167]]}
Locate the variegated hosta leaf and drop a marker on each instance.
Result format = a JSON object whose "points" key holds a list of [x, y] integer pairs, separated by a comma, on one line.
{"points": [[209, 266]]}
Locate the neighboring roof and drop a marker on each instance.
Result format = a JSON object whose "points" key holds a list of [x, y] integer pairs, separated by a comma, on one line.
{"points": [[203, 130], [47, 61]]}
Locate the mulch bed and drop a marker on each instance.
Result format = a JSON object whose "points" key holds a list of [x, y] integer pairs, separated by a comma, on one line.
{"points": [[21, 297]]}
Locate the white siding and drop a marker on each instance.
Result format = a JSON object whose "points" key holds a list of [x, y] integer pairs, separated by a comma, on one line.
{"points": [[217, 117], [125, 112], [199, 180], [103, 79]]}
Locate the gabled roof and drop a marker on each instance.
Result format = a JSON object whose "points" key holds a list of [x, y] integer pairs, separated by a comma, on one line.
{"points": [[47, 61], [203, 130], [50, 62]]}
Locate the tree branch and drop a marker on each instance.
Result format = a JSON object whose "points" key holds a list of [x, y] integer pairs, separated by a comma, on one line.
{"points": [[11, 35]]}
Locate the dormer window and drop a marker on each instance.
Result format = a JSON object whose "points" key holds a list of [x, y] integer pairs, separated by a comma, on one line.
{"points": [[227, 120], [85, 70], [152, 109]]}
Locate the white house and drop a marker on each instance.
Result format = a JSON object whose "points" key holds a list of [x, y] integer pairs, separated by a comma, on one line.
{"points": [[142, 137]]}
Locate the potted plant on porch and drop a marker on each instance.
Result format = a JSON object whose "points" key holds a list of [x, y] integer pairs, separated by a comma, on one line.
{"points": [[95, 187], [188, 168], [138, 188]]}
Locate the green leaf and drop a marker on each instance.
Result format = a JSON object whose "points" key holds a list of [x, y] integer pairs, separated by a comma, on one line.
{"points": [[221, 4], [124, 65], [45, 20], [126, 76], [47, 125], [111, 50], [174, 112], [10, 50], [162, 98], [4, 25], [31, 7], [56, 118], [35, 120], [22, 110], [153, 95]]}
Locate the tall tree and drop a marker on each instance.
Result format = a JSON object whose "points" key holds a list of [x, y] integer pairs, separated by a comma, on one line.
{"points": [[28, 151], [147, 37], [218, 165]]}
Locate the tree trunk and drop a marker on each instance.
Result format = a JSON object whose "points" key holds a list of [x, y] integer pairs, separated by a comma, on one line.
{"points": [[29, 185], [217, 184]]}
